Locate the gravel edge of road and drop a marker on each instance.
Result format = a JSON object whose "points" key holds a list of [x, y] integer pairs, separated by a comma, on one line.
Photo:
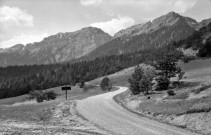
{"points": [[121, 103], [85, 119]]}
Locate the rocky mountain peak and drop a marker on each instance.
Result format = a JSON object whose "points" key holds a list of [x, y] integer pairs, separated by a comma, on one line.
{"points": [[166, 20], [150, 26], [56, 48]]}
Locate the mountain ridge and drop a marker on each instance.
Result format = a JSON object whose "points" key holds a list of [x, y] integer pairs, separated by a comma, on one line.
{"points": [[90, 42], [156, 33], [55, 48]]}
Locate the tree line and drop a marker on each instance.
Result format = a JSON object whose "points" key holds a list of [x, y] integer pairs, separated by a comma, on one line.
{"points": [[19, 80]]}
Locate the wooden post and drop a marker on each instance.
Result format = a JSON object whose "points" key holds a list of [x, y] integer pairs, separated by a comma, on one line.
{"points": [[66, 94], [66, 88]]}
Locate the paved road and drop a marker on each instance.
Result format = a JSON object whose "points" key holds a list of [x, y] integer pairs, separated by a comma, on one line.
{"points": [[105, 112]]}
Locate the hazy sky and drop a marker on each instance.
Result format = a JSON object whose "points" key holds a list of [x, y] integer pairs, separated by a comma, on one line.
{"points": [[27, 21]]}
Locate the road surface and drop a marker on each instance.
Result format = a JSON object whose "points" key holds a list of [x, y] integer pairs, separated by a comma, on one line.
{"points": [[105, 112]]}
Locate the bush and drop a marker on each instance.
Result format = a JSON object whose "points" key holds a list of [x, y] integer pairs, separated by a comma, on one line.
{"points": [[170, 93], [36, 94], [202, 88], [106, 84], [87, 87], [40, 96], [162, 83], [50, 95], [81, 84], [186, 59]]}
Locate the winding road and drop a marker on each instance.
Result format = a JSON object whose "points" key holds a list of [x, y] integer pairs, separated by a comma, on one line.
{"points": [[106, 113]]}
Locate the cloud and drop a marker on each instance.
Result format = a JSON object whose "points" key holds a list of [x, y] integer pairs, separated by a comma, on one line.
{"points": [[23, 39], [15, 16], [140, 9], [13, 23], [90, 2], [114, 25], [183, 5]]}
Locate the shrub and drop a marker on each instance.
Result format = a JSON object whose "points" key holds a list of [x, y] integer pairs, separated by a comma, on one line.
{"points": [[40, 96], [162, 83], [186, 59], [202, 88], [170, 93], [36, 94], [106, 84], [50, 95], [81, 84], [87, 87]]}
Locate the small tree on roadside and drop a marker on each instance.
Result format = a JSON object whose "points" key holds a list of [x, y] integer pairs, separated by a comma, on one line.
{"points": [[166, 68], [81, 84], [135, 79], [145, 84], [162, 83], [140, 81], [106, 84]]}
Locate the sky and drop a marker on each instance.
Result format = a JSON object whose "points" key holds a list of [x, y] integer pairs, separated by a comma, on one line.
{"points": [[28, 21]]}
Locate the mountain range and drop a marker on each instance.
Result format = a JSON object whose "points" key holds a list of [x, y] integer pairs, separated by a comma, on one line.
{"points": [[56, 48], [89, 43], [155, 33]]}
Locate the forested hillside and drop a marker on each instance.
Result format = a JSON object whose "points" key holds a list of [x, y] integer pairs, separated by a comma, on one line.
{"points": [[199, 40], [19, 80]]}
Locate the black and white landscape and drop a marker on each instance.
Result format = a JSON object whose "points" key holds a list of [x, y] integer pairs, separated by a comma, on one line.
{"points": [[135, 67]]}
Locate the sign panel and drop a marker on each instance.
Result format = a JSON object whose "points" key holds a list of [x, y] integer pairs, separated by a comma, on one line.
{"points": [[66, 88]]}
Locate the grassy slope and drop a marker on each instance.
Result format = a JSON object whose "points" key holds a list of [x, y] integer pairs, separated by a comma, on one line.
{"points": [[192, 69], [191, 106], [197, 68], [196, 71], [19, 108]]}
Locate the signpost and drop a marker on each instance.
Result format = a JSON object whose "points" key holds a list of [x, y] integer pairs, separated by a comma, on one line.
{"points": [[66, 88]]}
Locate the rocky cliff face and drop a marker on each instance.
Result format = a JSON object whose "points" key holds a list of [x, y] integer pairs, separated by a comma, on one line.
{"points": [[155, 33], [56, 48]]}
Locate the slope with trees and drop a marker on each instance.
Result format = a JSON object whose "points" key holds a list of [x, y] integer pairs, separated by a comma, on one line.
{"points": [[19, 80]]}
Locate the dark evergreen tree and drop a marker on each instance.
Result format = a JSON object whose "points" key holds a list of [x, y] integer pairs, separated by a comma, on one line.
{"points": [[106, 84], [134, 81]]}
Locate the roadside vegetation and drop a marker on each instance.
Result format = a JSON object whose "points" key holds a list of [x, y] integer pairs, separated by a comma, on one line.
{"points": [[106, 84], [186, 102], [40, 96], [165, 68]]}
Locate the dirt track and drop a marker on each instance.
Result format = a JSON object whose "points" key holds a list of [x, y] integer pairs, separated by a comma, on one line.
{"points": [[106, 113]]}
